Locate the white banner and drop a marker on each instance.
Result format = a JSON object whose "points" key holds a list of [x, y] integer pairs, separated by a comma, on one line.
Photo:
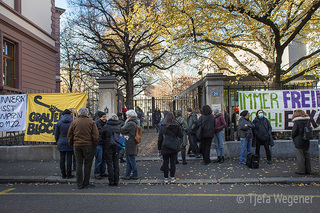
{"points": [[13, 110], [279, 106]]}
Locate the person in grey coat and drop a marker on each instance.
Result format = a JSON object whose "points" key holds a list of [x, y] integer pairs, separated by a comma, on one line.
{"points": [[245, 134], [129, 132], [63, 146]]}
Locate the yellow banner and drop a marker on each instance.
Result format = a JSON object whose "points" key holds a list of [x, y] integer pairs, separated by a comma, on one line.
{"points": [[44, 110]]}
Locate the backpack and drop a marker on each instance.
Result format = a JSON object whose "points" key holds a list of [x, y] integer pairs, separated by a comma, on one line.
{"points": [[253, 161], [116, 141], [138, 136], [171, 142], [307, 132]]}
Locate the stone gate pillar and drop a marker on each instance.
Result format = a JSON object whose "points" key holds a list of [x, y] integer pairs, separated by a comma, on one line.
{"points": [[108, 86], [213, 83]]}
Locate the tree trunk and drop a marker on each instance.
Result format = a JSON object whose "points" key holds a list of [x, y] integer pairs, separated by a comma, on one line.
{"points": [[70, 82], [277, 68], [129, 92]]}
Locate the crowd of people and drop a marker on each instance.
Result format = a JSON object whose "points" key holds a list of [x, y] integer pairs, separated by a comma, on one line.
{"points": [[207, 126], [82, 139]]}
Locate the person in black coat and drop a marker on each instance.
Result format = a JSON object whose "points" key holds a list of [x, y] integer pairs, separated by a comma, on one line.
{"points": [[156, 116], [262, 133], [63, 146], [122, 122], [207, 125], [300, 119], [100, 162], [112, 153], [170, 127]]}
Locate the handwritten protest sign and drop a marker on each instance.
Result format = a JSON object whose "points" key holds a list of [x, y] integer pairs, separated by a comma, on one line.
{"points": [[13, 110], [45, 110], [279, 106]]}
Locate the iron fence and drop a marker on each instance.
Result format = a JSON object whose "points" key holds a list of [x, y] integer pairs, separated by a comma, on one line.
{"points": [[193, 99], [149, 104]]}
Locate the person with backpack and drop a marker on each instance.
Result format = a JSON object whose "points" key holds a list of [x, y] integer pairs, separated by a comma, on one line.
{"points": [[300, 119], [220, 124], [111, 152], [262, 133], [184, 139], [192, 122], [129, 132], [246, 135], [206, 126], [168, 145]]}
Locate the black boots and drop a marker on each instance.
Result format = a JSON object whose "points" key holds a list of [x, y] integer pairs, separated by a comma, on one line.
{"points": [[220, 159]]}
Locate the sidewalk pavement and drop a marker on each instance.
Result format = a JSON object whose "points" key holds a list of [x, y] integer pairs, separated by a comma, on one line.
{"points": [[230, 172]]}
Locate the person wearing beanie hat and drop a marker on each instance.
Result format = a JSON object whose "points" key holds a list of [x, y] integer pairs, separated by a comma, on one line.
{"points": [[220, 124], [60, 134], [244, 113], [246, 135], [100, 162], [66, 111], [216, 110], [124, 111], [100, 114]]}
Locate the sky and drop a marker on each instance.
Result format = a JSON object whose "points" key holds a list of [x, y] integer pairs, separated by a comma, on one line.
{"points": [[61, 4]]}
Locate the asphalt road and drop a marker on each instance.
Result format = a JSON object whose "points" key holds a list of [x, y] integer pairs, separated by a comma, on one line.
{"points": [[159, 198]]}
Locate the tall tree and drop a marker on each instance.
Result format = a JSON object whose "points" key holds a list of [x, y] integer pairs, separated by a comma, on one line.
{"points": [[75, 76], [262, 30], [117, 40]]}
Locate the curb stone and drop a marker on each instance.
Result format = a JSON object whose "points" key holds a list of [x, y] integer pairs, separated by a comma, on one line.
{"points": [[238, 180], [288, 180], [58, 179]]}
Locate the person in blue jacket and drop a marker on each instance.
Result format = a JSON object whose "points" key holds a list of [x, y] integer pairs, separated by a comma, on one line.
{"points": [[63, 146]]}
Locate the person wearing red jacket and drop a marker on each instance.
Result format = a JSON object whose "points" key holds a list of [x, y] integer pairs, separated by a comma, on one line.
{"points": [[218, 139]]}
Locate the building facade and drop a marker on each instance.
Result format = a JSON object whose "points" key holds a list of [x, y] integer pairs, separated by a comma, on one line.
{"points": [[30, 43]]}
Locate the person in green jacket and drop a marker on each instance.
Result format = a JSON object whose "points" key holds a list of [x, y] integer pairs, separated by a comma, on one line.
{"points": [[129, 132], [184, 139], [192, 122]]}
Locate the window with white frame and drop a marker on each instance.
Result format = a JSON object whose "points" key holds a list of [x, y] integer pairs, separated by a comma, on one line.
{"points": [[8, 63]]}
